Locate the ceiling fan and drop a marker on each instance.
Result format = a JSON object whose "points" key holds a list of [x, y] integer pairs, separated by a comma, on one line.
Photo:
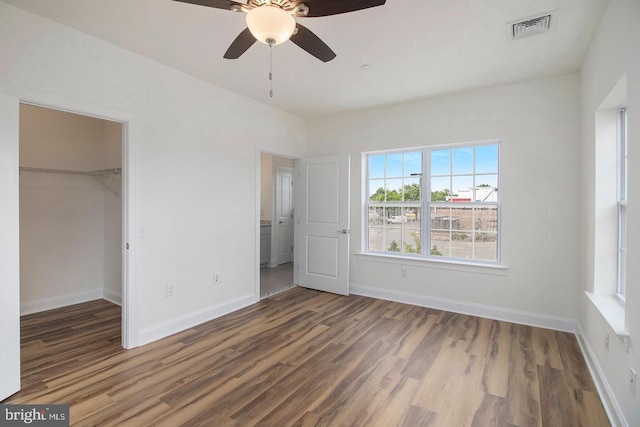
{"points": [[272, 22]]}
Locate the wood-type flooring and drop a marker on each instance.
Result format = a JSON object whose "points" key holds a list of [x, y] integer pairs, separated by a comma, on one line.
{"points": [[309, 358]]}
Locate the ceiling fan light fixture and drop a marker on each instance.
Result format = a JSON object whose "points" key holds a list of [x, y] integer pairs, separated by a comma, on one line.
{"points": [[270, 24]]}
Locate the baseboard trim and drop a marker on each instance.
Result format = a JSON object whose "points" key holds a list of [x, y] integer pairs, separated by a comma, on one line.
{"points": [[609, 401], [113, 297], [179, 324], [59, 301], [497, 313]]}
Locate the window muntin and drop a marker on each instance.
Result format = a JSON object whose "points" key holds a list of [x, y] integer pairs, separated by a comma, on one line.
{"points": [[461, 215], [622, 203]]}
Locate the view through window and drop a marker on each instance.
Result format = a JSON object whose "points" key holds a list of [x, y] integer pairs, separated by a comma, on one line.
{"points": [[459, 218]]}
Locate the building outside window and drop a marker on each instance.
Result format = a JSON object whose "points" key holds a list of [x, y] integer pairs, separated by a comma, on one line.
{"points": [[459, 218]]}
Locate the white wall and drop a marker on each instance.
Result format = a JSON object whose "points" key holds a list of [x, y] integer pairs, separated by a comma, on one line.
{"points": [[196, 162], [60, 140], [613, 53], [112, 228], [266, 186], [61, 240], [538, 124], [9, 251]]}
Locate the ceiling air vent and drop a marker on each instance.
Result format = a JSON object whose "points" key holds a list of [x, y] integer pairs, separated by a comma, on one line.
{"points": [[531, 26]]}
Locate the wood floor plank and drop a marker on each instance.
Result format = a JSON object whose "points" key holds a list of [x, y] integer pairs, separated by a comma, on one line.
{"points": [[523, 393], [491, 413], [555, 400], [306, 358], [546, 348], [451, 389], [495, 379]]}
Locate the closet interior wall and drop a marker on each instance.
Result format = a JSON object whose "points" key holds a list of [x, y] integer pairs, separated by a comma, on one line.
{"points": [[70, 209]]}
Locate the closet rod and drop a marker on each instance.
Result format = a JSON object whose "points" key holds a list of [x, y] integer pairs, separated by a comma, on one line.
{"points": [[102, 172]]}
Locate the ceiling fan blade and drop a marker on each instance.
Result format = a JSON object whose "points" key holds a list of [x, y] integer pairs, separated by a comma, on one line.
{"points": [[218, 4], [312, 44], [335, 7], [240, 45]]}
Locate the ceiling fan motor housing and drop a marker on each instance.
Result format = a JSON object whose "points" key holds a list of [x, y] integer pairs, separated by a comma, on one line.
{"points": [[270, 24]]}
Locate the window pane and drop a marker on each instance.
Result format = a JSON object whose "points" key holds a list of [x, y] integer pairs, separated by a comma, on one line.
{"points": [[440, 189], [462, 218], [412, 189], [393, 238], [413, 217], [487, 159], [486, 219], [376, 190], [376, 215], [392, 214], [411, 243], [441, 219], [462, 160], [413, 163], [487, 188], [486, 246], [461, 245], [440, 243], [462, 188], [376, 239], [394, 165], [394, 190], [376, 166], [440, 162]]}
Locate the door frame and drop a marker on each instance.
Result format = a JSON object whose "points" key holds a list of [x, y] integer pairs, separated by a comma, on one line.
{"points": [[260, 149], [130, 208]]}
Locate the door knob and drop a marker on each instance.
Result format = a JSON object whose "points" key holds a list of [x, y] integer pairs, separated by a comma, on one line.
{"points": [[343, 231]]}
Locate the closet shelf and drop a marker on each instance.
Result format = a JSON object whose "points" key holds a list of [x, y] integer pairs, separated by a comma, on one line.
{"points": [[97, 174]]}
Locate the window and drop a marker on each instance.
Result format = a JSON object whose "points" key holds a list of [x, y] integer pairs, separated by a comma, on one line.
{"points": [[460, 215], [622, 202]]}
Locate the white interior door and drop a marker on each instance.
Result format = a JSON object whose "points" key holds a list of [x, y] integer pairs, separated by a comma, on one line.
{"points": [[322, 241], [9, 248], [284, 215]]}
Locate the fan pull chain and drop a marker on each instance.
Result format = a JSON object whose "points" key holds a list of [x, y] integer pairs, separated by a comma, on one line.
{"points": [[270, 67]]}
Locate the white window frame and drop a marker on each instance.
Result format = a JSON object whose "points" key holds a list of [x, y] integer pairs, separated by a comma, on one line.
{"points": [[622, 203], [426, 204]]}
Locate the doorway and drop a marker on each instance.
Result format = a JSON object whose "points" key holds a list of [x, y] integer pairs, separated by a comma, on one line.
{"points": [[71, 209], [276, 224]]}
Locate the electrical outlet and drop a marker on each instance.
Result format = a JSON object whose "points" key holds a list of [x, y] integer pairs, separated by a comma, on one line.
{"points": [[606, 340], [404, 273], [632, 381], [216, 278], [170, 289]]}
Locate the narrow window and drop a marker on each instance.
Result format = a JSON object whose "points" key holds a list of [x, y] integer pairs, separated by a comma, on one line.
{"points": [[622, 202]]}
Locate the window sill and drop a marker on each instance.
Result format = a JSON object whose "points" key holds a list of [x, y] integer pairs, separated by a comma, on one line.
{"points": [[613, 312], [491, 269]]}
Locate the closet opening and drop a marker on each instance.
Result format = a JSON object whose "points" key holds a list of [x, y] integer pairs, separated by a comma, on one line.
{"points": [[71, 236]]}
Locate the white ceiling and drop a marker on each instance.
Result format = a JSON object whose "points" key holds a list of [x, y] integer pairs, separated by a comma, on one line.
{"points": [[416, 48]]}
